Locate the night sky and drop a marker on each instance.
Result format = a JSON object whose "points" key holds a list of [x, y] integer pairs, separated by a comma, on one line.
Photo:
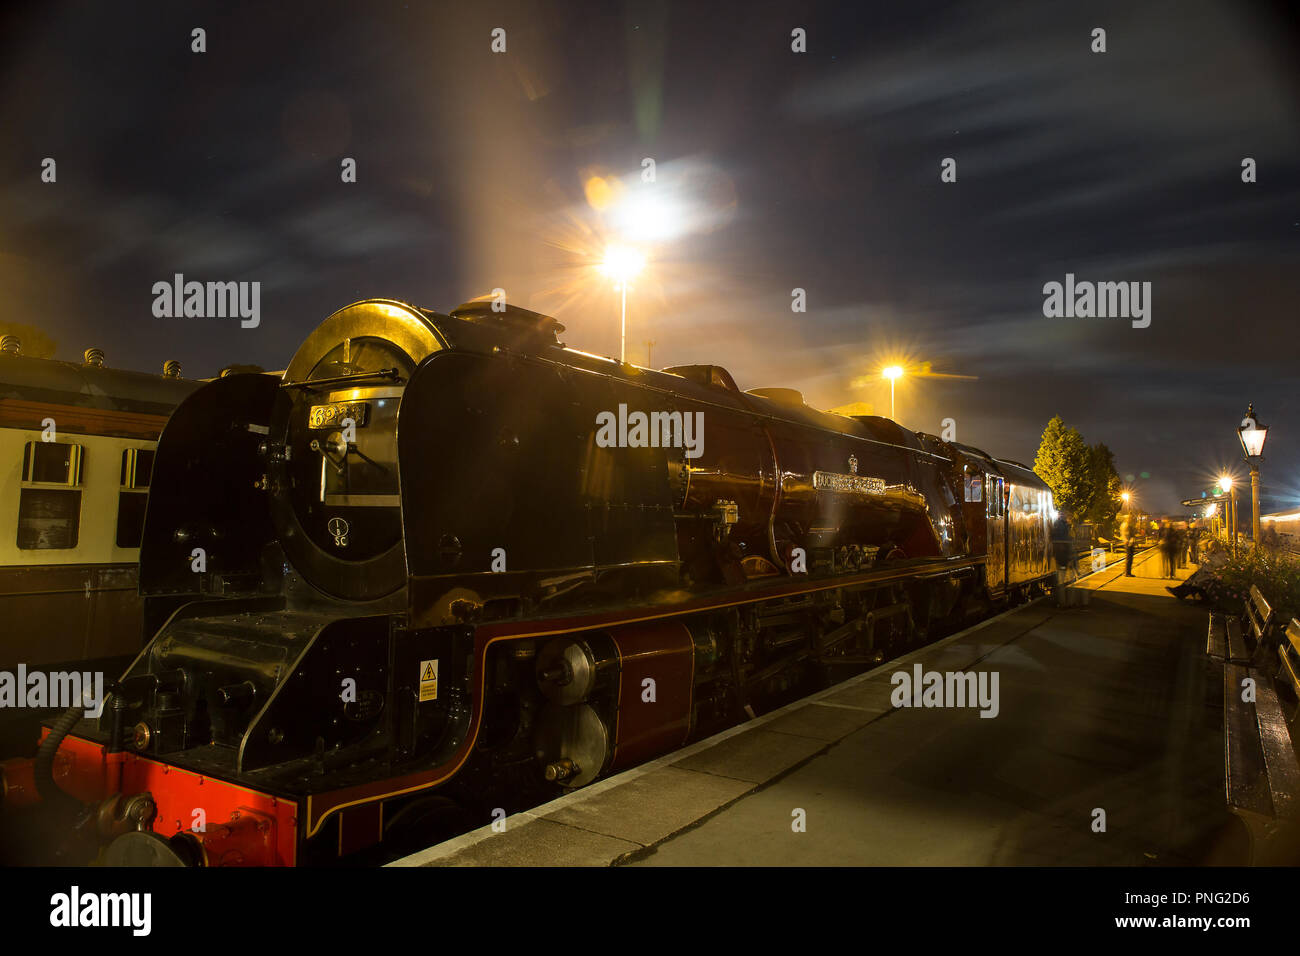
{"points": [[818, 170]]}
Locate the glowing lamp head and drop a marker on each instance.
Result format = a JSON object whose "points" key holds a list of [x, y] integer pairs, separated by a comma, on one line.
{"points": [[892, 372], [1252, 434], [622, 263], [1226, 483], [1124, 495]]}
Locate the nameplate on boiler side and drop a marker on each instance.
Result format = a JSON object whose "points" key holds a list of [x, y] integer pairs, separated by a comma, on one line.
{"points": [[848, 484]]}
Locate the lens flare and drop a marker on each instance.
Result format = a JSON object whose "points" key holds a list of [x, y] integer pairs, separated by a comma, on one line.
{"points": [[622, 262]]}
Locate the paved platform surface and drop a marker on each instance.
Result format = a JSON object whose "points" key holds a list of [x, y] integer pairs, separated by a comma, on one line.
{"points": [[1102, 707]]}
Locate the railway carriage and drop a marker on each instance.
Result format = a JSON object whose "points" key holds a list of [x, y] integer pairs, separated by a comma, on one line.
{"points": [[77, 445], [408, 574]]}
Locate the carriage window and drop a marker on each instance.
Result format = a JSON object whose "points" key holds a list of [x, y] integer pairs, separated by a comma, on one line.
{"points": [[130, 518], [48, 519], [975, 488], [52, 462], [137, 467]]}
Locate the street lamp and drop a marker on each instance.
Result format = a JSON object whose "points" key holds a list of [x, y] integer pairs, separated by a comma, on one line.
{"points": [[1225, 483], [622, 263], [892, 373], [1253, 435], [1125, 497]]}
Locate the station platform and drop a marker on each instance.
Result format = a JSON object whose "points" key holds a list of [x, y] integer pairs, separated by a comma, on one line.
{"points": [[1102, 707]]}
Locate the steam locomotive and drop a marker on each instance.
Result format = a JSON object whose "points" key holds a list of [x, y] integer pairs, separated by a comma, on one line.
{"points": [[411, 571]]}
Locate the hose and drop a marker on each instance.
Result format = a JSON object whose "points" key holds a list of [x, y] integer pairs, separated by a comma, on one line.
{"points": [[43, 766]]}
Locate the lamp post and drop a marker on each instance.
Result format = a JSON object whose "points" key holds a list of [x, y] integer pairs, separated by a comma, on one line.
{"points": [[1128, 518], [1227, 485], [892, 373], [1253, 435], [622, 263]]}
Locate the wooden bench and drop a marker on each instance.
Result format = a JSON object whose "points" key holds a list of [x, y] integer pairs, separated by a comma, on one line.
{"points": [[1261, 770], [1238, 640], [1288, 671]]}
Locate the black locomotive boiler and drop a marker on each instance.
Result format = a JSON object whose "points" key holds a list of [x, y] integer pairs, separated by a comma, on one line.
{"points": [[407, 570]]}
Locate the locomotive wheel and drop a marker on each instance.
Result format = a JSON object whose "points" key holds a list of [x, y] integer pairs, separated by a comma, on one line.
{"points": [[918, 634], [894, 633], [890, 552], [425, 820]]}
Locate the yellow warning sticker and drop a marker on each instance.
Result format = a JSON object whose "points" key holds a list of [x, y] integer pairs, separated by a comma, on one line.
{"points": [[428, 680]]}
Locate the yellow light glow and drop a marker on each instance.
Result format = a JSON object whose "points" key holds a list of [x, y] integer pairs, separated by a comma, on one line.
{"points": [[602, 192], [1226, 483], [646, 217], [1125, 496], [892, 371], [622, 262]]}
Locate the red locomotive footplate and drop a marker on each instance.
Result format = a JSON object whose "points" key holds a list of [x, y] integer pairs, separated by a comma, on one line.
{"points": [[239, 826], [662, 653]]}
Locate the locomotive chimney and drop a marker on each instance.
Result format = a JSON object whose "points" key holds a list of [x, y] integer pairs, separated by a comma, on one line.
{"points": [[9, 345], [171, 369], [94, 358]]}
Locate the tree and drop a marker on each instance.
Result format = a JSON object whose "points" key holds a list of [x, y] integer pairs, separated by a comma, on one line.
{"points": [[1103, 510], [1082, 478], [1065, 464]]}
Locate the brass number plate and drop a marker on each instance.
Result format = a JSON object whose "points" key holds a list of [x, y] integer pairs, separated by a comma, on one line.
{"points": [[332, 415]]}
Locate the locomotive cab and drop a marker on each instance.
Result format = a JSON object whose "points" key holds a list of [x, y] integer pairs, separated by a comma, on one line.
{"points": [[334, 433]]}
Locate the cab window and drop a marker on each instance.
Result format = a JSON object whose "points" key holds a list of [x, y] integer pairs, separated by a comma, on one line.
{"points": [[997, 500]]}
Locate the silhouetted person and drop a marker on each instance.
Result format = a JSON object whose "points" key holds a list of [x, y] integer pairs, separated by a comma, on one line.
{"points": [[1196, 586], [1168, 544], [1063, 547]]}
